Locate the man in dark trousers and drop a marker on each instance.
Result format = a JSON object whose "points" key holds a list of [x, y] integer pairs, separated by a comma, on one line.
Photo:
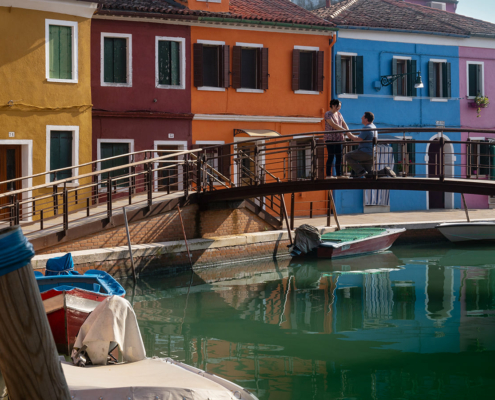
{"points": [[361, 160]]}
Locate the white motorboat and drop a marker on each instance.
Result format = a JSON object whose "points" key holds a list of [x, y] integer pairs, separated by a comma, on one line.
{"points": [[467, 231]]}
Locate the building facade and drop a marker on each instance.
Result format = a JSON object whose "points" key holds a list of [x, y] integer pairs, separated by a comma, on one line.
{"points": [[45, 110]]}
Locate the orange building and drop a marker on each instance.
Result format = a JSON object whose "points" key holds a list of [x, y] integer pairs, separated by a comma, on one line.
{"points": [[258, 65]]}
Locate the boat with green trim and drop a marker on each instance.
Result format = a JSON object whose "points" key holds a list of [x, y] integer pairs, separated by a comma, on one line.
{"points": [[356, 241]]}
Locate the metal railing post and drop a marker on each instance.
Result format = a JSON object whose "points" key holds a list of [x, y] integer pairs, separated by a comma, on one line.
{"points": [[292, 210], [150, 185], [329, 210], [17, 211], [55, 200], [256, 166], [65, 208], [41, 220], [375, 157], [198, 173], [109, 197], [87, 207], [313, 159], [442, 158], [186, 175]]}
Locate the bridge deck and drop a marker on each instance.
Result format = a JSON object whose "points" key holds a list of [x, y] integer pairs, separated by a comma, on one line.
{"points": [[417, 218]]}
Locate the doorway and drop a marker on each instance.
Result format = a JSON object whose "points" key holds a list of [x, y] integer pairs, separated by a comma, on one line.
{"points": [[168, 179], [247, 168], [10, 168], [435, 169]]}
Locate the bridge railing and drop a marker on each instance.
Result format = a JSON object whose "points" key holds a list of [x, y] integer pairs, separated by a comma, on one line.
{"points": [[57, 198]]}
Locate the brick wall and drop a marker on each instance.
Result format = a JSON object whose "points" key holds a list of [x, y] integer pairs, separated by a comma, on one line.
{"points": [[173, 263], [167, 227]]}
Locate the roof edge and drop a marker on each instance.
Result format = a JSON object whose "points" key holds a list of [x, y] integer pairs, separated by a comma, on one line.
{"points": [[369, 28]]}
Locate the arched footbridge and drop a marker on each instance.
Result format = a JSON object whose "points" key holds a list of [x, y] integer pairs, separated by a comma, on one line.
{"points": [[63, 204]]}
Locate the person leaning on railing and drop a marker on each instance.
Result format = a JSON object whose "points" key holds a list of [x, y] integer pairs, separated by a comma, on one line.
{"points": [[334, 121], [361, 159]]}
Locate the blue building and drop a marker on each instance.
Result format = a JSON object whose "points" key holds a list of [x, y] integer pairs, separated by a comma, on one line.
{"points": [[380, 38]]}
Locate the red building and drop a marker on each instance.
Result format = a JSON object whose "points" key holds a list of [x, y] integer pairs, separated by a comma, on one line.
{"points": [[140, 68]]}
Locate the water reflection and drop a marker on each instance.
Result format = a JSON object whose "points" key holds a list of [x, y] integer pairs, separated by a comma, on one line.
{"points": [[409, 324]]}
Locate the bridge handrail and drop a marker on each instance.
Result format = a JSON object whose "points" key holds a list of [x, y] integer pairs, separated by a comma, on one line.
{"points": [[99, 172]]}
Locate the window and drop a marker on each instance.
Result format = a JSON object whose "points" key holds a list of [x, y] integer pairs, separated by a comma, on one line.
{"points": [[404, 86], [475, 79], [249, 67], [438, 5], [61, 51], [116, 51], [62, 151], [170, 63], [307, 70], [404, 158], [211, 65], [439, 78], [480, 157], [348, 74], [108, 150]]}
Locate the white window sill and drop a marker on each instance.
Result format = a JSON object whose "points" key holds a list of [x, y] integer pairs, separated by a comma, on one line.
{"points": [[306, 92], [347, 96], [62, 80], [178, 87], [402, 98], [109, 84], [439, 100], [211, 88], [250, 90]]}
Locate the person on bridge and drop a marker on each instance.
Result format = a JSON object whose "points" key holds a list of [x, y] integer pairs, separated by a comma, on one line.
{"points": [[361, 160], [334, 121]]}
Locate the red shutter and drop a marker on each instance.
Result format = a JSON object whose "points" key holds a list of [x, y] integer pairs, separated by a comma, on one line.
{"points": [[198, 64], [295, 69], [225, 82], [264, 68], [320, 70], [236, 67]]}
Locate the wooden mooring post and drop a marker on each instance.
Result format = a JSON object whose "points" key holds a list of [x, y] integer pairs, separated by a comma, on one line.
{"points": [[28, 357]]}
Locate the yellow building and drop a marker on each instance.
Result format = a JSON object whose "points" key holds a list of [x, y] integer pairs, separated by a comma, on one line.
{"points": [[45, 89]]}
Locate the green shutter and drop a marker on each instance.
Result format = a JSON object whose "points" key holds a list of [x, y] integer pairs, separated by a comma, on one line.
{"points": [[394, 72], [111, 150], [484, 158], [169, 63], [115, 60], [60, 52], [411, 78], [359, 75], [164, 62], [175, 61], [473, 80], [338, 74], [60, 153], [431, 79], [447, 80]]}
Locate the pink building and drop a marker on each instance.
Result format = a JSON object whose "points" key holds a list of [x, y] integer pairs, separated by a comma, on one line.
{"points": [[477, 76]]}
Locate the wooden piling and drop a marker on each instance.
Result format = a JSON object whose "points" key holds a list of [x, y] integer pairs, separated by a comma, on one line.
{"points": [[28, 357]]}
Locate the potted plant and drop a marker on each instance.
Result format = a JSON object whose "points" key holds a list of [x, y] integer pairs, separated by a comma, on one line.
{"points": [[480, 102]]}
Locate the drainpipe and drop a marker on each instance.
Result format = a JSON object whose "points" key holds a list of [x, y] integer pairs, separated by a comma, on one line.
{"points": [[330, 51]]}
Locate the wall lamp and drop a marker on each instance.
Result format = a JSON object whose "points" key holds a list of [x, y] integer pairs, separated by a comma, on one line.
{"points": [[389, 79]]}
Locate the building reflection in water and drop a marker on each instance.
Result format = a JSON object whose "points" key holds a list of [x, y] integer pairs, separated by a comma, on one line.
{"points": [[309, 332]]}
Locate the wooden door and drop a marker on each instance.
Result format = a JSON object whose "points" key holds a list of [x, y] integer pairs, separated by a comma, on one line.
{"points": [[10, 168], [435, 169], [169, 176]]}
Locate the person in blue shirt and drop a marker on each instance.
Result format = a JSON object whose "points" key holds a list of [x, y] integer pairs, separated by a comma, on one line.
{"points": [[361, 160]]}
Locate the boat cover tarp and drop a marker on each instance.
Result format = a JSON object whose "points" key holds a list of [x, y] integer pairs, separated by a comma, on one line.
{"points": [[63, 265], [307, 238], [112, 322], [143, 380], [351, 234]]}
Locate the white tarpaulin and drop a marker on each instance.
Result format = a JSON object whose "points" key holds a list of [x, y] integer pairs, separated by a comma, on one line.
{"points": [[144, 380], [113, 320]]}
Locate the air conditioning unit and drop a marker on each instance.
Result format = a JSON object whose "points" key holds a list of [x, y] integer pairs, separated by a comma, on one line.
{"points": [[438, 5]]}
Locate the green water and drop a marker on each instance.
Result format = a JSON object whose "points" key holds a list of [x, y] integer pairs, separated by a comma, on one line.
{"points": [[415, 323]]}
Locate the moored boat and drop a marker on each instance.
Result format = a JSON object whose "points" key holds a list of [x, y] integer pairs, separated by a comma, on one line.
{"points": [[468, 231], [356, 241], [68, 300]]}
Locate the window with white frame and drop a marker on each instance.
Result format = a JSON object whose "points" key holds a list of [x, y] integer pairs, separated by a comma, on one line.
{"points": [[62, 151], [348, 74], [211, 65], [307, 70], [61, 51], [116, 59], [480, 160], [439, 78], [170, 70], [475, 79]]}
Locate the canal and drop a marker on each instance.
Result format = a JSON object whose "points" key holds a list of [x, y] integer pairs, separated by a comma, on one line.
{"points": [[412, 323]]}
